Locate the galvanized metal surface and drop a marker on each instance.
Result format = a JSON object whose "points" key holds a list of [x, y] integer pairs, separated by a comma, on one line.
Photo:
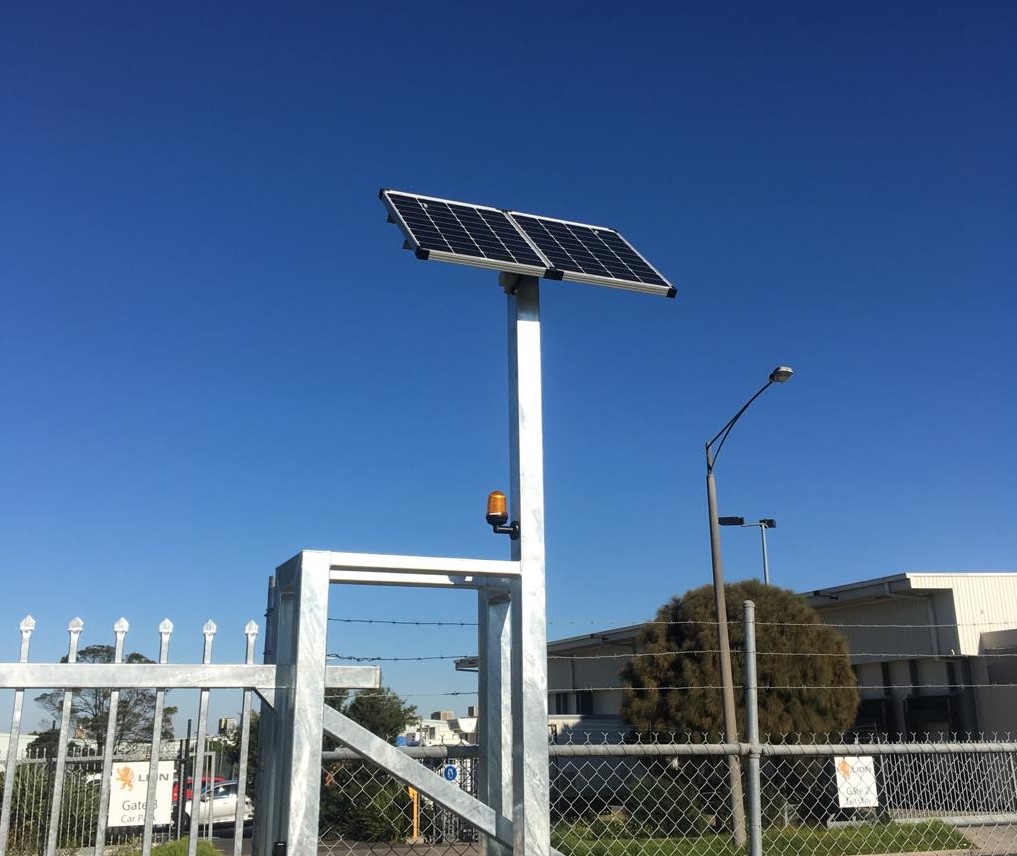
{"points": [[165, 629], [10, 769], [754, 789], [119, 631], [74, 633], [494, 691], [147, 676], [530, 782], [208, 631]]}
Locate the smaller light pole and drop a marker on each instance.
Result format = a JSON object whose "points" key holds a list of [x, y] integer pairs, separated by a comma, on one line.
{"points": [[764, 524]]}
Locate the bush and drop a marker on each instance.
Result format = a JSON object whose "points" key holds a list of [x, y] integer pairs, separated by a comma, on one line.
{"points": [[179, 848], [664, 805], [359, 804]]}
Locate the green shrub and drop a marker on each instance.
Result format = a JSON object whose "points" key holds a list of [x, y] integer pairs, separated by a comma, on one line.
{"points": [[179, 848], [359, 805], [664, 805]]}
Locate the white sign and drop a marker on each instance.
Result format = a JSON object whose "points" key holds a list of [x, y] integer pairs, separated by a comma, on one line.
{"points": [[129, 789], [856, 782]]}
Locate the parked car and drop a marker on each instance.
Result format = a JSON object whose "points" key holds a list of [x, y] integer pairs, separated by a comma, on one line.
{"points": [[218, 804], [205, 782]]}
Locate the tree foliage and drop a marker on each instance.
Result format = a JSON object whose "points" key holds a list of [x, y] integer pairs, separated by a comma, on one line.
{"points": [[806, 684], [381, 712], [90, 707]]}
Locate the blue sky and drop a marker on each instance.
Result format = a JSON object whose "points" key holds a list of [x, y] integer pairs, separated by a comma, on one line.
{"points": [[215, 354]]}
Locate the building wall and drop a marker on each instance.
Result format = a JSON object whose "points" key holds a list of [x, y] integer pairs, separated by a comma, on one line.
{"points": [[576, 682], [895, 638], [981, 603]]}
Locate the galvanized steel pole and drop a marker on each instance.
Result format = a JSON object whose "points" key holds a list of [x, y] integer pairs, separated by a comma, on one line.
{"points": [[752, 732], [530, 773]]}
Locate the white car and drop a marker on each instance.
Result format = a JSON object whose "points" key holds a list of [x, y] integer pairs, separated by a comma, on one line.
{"points": [[218, 804]]}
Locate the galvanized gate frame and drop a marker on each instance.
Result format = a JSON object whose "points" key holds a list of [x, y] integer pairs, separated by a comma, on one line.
{"points": [[161, 677], [512, 808]]}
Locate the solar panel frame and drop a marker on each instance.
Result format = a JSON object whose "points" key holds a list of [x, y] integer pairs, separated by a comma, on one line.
{"points": [[496, 239], [425, 237], [582, 257]]}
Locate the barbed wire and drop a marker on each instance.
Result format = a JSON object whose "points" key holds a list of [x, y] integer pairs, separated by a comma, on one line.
{"points": [[448, 694], [764, 687], [761, 688], [355, 659], [412, 623], [740, 652], [616, 624], [627, 655]]}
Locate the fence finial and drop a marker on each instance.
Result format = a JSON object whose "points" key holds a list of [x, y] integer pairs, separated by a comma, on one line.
{"points": [[122, 625], [166, 626], [27, 624]]}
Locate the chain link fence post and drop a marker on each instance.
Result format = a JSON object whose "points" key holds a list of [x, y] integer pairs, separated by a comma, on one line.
{"points": [[755, 798]]}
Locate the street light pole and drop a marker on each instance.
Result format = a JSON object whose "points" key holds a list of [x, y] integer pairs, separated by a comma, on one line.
{"points": [[724, 647], [778, 375], [766, 559], [762, 525]]}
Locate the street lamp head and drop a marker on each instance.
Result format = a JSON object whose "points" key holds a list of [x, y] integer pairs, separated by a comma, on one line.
{"points": [[781, 374], [768, 522], [731, 521]]}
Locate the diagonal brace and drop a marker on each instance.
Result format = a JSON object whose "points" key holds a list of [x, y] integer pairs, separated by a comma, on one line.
{"points": [[389, 758]]}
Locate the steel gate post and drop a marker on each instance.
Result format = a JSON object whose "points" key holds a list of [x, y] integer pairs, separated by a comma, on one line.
{"points": [[530, 773], [494, 724], [301, 616]]}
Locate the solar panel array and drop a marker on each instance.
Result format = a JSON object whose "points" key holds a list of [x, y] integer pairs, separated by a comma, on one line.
{"points": [[521, 243]]}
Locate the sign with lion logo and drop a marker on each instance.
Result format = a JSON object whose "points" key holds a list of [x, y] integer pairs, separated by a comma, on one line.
{"points": [[128, 793]]}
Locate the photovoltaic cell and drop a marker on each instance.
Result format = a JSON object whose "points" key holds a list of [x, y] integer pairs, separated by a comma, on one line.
{"points": [[523, 243], [591, 250], [470, 231]]}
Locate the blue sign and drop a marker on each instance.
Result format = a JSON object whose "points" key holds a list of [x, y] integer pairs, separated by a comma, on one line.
{"points": [[451, 773]]}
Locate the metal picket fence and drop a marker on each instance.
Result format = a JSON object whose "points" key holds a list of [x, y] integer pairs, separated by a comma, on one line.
{"points": [[31, 800], [614, 796]]}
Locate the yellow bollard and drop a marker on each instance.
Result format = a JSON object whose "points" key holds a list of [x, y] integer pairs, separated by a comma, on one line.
{"points": [[414, 795]]}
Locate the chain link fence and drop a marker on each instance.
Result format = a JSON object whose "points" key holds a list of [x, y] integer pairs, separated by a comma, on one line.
{"points": [[613, 796]]}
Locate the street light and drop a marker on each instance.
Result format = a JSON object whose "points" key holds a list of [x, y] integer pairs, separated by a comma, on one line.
{"points": [[764, 524], [779, 375]]}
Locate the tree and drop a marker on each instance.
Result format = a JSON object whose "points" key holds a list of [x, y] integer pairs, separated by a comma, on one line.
{"points": [[381, 712], [230, 748], [806, 684], [90, 707]]}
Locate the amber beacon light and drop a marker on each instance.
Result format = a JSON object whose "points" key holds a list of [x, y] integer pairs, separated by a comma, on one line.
{"points": [[497, 515]]}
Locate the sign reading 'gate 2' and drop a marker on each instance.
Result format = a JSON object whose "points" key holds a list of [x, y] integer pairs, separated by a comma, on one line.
{"points": [[856, 781], [510, 241]]}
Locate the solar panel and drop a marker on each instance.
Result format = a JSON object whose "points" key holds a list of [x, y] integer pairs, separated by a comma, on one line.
{"points": [[521, 243], [463, 233], [585, 253]]}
